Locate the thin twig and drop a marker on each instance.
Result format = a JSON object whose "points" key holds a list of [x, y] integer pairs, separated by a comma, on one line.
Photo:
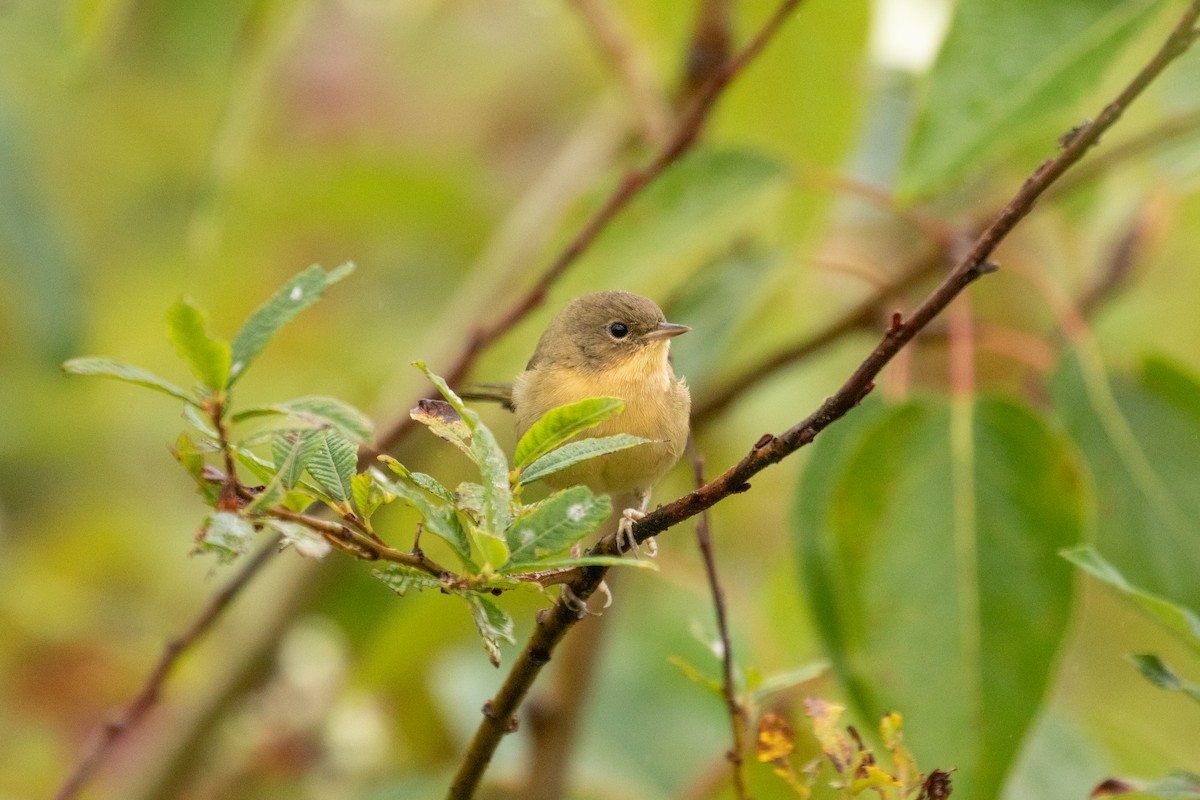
{"points": [[553, 624], [709, 49], [615, 42], [686, 133], [738, 721]]}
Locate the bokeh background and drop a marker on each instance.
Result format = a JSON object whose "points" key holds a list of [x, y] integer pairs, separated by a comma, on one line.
{"points": [[150, 149]]}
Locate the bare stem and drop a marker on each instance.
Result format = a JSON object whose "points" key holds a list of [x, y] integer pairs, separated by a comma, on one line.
{"points": [[553, 624]]}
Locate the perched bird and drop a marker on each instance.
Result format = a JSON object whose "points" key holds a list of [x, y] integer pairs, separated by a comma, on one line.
{"points": [[612, 344]]}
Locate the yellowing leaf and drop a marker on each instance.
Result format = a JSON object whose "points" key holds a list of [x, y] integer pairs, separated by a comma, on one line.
{"points": [[775, 738], [835, 744]]}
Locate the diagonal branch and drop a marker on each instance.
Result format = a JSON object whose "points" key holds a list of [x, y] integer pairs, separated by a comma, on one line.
{"points": [[553, 624]]}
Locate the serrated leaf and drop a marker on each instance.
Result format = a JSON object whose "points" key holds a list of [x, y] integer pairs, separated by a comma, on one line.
{"points": [[559, 424], [332, 464], [225, 534], [445, 423], [1154, 670], [369, 494], [420, 480], [573, 453], [494, 625], [304, 540], [554, 525], [297, 294], [320, 412], [493, 472], [293, 451], [1179, 619], [128, 373], [208, 358], [400, 578], [439, 520]]}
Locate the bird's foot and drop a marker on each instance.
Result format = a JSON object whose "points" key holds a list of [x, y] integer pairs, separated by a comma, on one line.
{"points": [[580, 606], [625, 538]]}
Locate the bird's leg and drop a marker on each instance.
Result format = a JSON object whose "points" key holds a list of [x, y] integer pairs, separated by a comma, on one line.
{"points": [[625, 540]]}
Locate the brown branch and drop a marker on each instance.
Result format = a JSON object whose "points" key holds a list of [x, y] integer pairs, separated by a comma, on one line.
{"points": [[738, 721], [615, 42], [112, 732], [553, 624], [709, 49], [686, 133]]}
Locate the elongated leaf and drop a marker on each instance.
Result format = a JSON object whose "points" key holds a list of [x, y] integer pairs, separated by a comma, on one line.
{"points": [[420, 480], [296, 295], [400, 578], [573, 453], [332, 464], [1003, 69], [555, 524], [559, 424], [929, 539], [225, 534], [319, 411], [493, 473], [1140, 438], [1182, 621], [208, 358], [494, 625], [1154, 670], [587, 561], [443, 388], [369, 494], [119, 370], [439, 520]]}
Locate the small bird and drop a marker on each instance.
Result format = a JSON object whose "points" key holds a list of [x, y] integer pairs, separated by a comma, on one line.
{"points": [[612, 344]]}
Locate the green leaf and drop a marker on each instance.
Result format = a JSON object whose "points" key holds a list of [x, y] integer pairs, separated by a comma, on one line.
{"points": [[296, 295], [559, 424], [445, 423], [400, 578], [1006, 69], [440, 520], [119, 370], [493, 472], [320, 412], [443, 388], [333, 463], [190, 454], [420, 480], [1180, 620], [572, 453], [200, 421], [208, 358], [293, 451], [494, 624], [225, 534], [369, 494], [554, 525], [567, 562], [304, 540], [929, 540], [1154, 670], [1140, 439]]}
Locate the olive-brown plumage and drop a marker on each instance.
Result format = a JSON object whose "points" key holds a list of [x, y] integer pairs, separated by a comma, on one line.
{"points": [[611, 344]]}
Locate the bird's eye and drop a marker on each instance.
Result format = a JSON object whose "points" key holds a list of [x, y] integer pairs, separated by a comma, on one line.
{"points": [[618, 330]]}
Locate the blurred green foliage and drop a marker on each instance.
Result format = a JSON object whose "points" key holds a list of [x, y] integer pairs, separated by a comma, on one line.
{"points": [[151, 149]]}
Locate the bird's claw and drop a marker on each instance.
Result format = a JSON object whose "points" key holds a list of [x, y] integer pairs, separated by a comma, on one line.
{"points": [[625, 537], [580, 607]]}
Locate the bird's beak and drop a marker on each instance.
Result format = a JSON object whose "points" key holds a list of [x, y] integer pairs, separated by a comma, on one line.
{"points": [[666, 330]]}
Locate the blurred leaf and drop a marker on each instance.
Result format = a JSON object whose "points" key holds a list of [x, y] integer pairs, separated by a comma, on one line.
{"points": [[190, 454], [775, 740], [693, 674], [789, 680], [320, 411], [946, 603], [1140, 438], [333, 463], [119, 370], [1180, 620], [420, 480], [567, 562], [494, 624], [293, 451], [573, 453], [1154, 670], [225, 534], [444, 422], [401, 578], [1003, 68], [208, 358], [439, 520], [369, 494], [834, 743], [559, 424], [200, 421], [554, 525], [303, 539], [296, 295]]}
